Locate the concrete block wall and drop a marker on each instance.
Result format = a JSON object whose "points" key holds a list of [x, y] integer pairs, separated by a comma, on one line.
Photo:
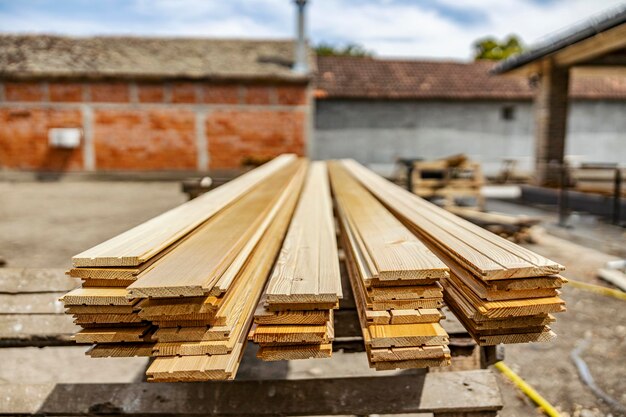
{"points": [[378, 132], [150, 126]]}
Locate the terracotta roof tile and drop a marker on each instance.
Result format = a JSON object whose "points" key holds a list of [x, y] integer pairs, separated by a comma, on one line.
{"points": [[369, 78]]}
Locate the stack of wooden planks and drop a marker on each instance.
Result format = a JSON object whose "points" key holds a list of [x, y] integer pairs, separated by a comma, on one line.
{"points": [[294, 319], [183, 286], [501, 292], [395, 281]]}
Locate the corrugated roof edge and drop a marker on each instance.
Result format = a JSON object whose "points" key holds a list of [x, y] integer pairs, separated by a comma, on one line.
{"points": [[570, 36]]}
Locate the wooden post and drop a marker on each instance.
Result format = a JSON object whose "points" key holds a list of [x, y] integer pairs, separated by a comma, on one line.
{"points": [[551, 102]]}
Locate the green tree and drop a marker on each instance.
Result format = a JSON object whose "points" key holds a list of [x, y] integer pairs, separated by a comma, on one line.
{"points": [[490, 48], [350, 49]]}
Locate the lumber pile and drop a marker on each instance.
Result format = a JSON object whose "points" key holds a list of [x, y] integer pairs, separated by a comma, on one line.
{"points": [[501, 292], [294, 319], [515, 228], [598, 179], [395, 281], [183, 287], [453, 178]]}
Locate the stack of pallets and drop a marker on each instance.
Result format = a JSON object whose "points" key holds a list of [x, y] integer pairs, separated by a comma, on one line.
{"points": [[294, 319], [395, 281], [197, 274], [501, 292]]}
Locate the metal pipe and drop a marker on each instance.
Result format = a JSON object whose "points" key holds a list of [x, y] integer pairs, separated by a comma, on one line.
{"points": [[300, 63]]}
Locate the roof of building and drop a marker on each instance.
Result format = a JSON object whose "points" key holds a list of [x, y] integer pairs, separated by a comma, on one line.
{"points": [[369, 78], [44, 56], [578, 33]]}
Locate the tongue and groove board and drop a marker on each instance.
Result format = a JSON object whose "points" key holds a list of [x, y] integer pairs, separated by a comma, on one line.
{"points": [[384, 339], [389, 250], [486, 254], [219, 359], [142, 242], [97, 297], [295, 317], [295, 352], [508, 308], [114, 335], [194, 267], [490, 292], [120, 350], [307, 269]]}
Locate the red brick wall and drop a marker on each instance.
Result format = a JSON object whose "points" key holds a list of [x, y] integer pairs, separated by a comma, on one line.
{"points": [[234, 135], [24, 139], [144, 139], [150, 126], [65, 92], [23, 91]]}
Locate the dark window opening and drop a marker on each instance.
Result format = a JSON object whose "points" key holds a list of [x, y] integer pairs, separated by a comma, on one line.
{"points": [[508, 113]]}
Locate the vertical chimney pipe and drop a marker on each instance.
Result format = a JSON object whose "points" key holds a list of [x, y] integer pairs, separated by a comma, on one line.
{"points": [[300, 62]]}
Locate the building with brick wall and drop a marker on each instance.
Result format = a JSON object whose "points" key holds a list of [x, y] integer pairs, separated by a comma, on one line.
{"points": [[140, 104], [378, 110]]}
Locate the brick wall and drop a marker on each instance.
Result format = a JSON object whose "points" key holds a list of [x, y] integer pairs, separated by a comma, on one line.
{"points": [[150, 126]]}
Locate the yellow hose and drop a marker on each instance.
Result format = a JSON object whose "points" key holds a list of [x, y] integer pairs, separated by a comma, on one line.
{"points": [[528, 390], [598, 289]]}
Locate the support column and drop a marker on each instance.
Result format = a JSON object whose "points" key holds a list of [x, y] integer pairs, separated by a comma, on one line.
{"points": [[551, 103]]}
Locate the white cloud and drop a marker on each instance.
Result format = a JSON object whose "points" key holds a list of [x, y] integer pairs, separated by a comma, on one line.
{"points": [[386, 27]]}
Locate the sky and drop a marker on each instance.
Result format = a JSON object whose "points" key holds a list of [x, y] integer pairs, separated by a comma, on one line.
{"points": [[443, 29]]}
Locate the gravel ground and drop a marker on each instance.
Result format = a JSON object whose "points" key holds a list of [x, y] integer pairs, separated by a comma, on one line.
{"points": [[44, 224]]}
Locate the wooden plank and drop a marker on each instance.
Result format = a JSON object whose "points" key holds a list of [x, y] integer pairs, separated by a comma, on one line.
{"points": [[271, 335], [547, 282], [254, 275], [295, 352], [541, 337], [405, 292], [114, 335], [120, 350], [36, 330], [509, 308], [264, 316], [301, 306], [391, 335], [381, 336], [35, 280], [394, 253], [307, 269], [97, 296], [108, 283], [31, 303], [485, 290], [487, 255], [472, 393], [194, 267], [101, 309], [142, 242], [407, 353], [81, 319], [414, 363], [464, 392], [426, 315], [196, 368]]}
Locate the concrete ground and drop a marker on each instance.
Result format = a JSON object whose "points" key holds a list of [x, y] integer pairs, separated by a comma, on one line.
{"points": [[44, 224]]}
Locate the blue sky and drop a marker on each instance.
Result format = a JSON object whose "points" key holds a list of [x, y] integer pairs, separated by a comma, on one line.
{"points": [[390, 28]]}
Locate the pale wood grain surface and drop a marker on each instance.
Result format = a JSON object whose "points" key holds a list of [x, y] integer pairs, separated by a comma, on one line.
{"points": [[142, 242]]}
